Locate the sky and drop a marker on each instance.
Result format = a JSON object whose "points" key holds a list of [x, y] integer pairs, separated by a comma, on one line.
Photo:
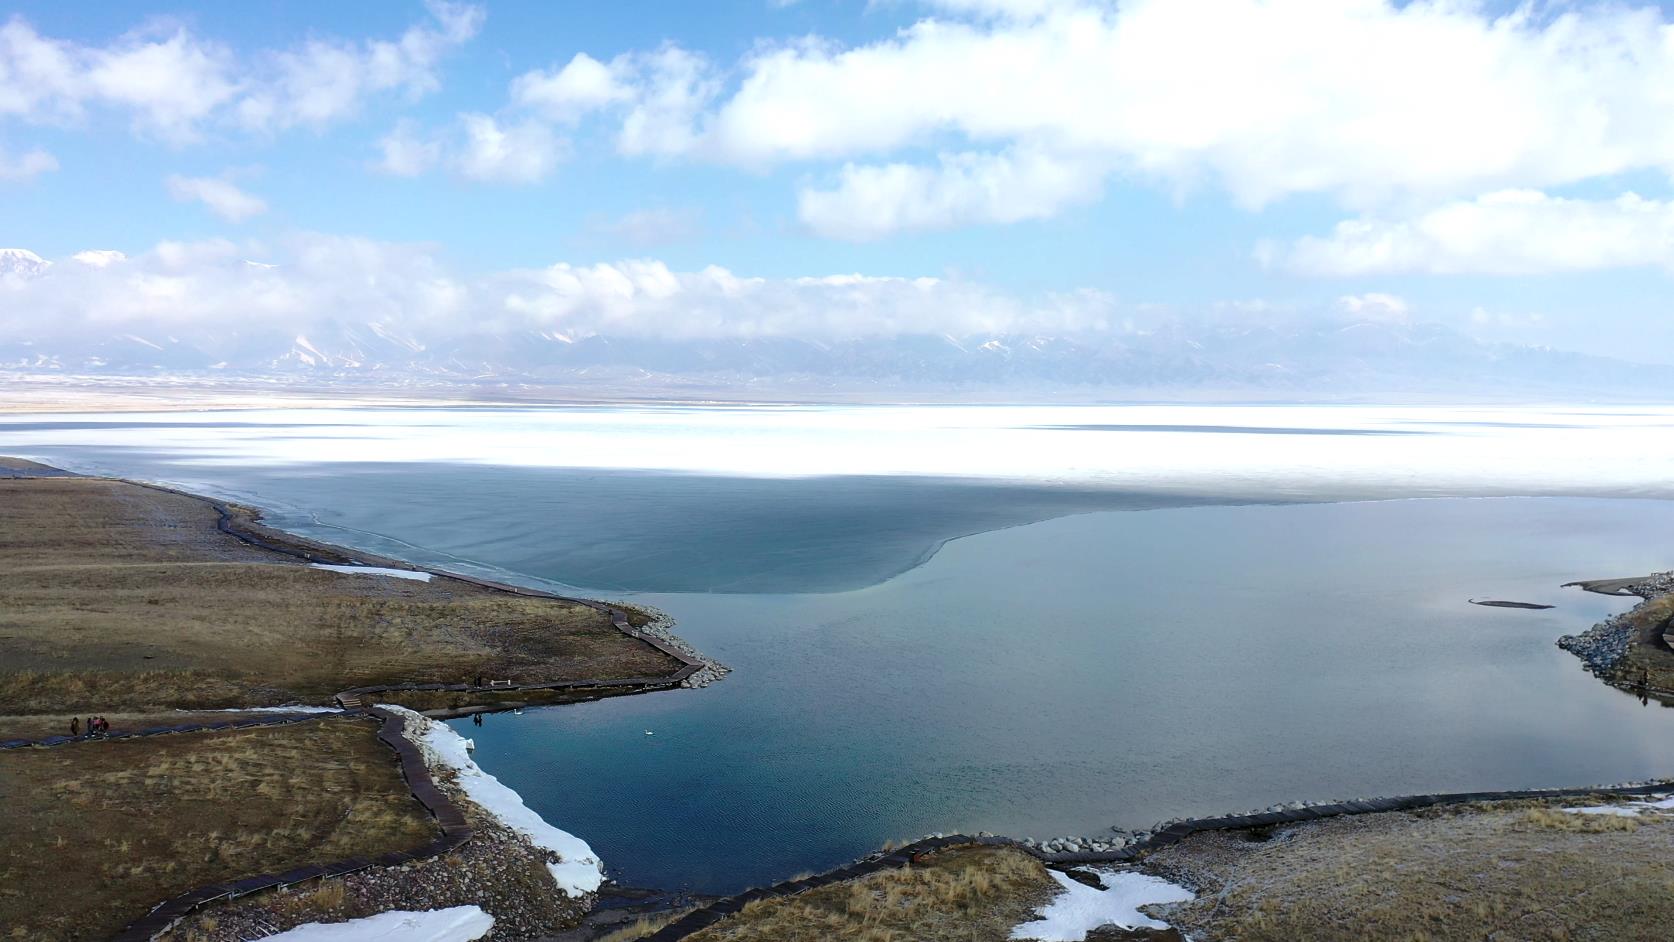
{"points": [[825, 168]]}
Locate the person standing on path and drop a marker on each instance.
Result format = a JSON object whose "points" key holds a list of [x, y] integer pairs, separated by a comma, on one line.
{"points": [[75, 726]]}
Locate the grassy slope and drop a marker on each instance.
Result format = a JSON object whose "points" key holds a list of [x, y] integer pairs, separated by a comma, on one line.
{"points": [[115, 597], [97, 833], [1510, 870], [961, 895]]}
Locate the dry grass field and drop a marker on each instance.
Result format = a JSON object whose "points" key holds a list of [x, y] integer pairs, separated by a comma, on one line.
{"points": [[1510, 870], [97, 833], [975, 894], [117, 598]]}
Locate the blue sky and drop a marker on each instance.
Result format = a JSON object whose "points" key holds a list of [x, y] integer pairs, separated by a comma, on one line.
{"points": [[1500, 169]]}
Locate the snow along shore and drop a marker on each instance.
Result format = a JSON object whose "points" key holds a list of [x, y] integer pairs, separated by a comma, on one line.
{"points": [[458, 924], [413, 574], [1080, 909], [578, 870]]}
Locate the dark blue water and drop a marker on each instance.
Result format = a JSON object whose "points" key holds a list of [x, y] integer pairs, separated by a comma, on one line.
{"points": [[1108, 667]]}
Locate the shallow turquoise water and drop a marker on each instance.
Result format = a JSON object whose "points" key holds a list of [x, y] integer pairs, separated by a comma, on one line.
{"points": [[1108, 667]]}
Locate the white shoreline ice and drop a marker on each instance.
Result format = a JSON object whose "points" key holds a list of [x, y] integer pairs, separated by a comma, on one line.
{"points": [[1079, 909], [412, 574], [1630, 810], [458, 924], [578, 871]]}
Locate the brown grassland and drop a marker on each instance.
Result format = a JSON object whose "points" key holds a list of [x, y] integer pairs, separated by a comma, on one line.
{"points": [[128, 602], [118, 598], [1506, 870], [975, 894], [96, 833]]}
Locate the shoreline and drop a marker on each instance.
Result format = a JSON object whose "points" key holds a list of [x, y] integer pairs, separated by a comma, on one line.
{"points": [[1129, 850], [426, 776], [245, 523]]}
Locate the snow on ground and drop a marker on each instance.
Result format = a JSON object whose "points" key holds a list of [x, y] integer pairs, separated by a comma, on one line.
{"points": [[459, 924], [579, 870], [375, 571], [1630, 810], [1080, 908]]}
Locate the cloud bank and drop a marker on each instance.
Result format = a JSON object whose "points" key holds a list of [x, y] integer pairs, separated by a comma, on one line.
{"points": [[174, 84], [307, 282], [1510, 232], [1004, 110]]}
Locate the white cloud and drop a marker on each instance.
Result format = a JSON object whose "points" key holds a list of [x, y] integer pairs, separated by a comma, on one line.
{"points": [[406, 152], [27, 165], [519, 153], [222, 197], [1365, 101], [675, 86], [173, 83], [1375, 306], [1509, 232], [99, 258], [583, 85], [326, 80], [873, 201], [312, 282]]}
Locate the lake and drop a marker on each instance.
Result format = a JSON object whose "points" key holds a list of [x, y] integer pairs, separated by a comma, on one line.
{"points": [[1027, 620]]}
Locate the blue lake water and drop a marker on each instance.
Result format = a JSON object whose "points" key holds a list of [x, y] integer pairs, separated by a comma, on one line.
{"points": [[920, 652]]}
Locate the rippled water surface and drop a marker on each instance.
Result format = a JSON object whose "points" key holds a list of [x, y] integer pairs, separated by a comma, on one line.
{"points": [[928, 648]]}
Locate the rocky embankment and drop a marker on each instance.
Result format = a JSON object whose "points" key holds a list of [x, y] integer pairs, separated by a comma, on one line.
{"points": [[1603, 646], [661, 626]]}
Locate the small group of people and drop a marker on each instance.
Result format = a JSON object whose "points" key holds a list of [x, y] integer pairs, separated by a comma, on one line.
{"points": [[96, 726]]}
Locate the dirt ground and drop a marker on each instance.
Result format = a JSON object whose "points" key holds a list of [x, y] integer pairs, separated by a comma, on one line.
{"points": [[1507, 871], [118, 598], [96, 833]]}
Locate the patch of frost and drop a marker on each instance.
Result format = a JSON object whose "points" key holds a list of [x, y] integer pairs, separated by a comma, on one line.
{"points": [[374, 571], [1080, 908], [458, 924], [1630, 810], [578, 870]]}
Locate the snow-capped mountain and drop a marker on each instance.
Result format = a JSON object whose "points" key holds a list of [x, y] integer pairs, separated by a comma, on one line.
{"points": [[1299, 359], [21, 263]]}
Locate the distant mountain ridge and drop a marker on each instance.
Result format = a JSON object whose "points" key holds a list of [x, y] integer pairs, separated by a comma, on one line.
{"points": [[1353, 357], [1296, 357]]}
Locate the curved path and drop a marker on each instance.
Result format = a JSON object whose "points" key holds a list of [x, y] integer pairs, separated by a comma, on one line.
{"points": [[455, 831]]}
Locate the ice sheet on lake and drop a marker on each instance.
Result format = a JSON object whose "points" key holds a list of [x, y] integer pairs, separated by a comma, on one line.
{"points": [[458, 924], [1324, 451], [412, 574], [1080, 909], [578, 870]]}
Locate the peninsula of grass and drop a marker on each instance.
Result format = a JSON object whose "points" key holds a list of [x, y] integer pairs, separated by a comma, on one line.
{"points": [[96, 833], [132, 603], [117, 598]]}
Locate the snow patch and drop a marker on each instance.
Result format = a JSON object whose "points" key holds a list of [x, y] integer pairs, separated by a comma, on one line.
{"points": [[412, 574], [458, 924], [578, 870], [1630, 810], [1081, 909]]}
